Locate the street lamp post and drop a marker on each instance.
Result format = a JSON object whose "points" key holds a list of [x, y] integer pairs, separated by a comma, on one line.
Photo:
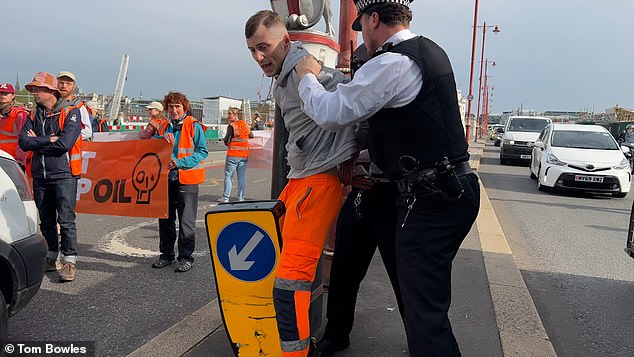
{"points": [[485, 109], [470, 96], [496, 30]]}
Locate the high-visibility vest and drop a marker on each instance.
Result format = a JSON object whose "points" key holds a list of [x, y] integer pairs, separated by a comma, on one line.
{"points": [[186, 148], [9, 131], [74, 154], [159, 124], [239, 144]]}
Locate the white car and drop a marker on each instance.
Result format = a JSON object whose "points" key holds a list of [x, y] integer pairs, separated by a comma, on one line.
{"points": [[519, 134], [22, 248], [580, 157]]}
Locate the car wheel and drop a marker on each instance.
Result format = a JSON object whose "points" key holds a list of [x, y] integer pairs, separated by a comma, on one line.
{"points": [[530, 169], [619, 194], [503, 161], [4, 320]]}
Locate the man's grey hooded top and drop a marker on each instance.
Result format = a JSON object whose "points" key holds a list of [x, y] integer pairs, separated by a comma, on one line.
{"points": [[311, 149]]}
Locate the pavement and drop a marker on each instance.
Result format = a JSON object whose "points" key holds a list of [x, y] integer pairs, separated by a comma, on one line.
{"points": [[492, 312]]}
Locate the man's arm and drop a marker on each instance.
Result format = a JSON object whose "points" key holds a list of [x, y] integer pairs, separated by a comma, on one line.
{"points": [[62, 143], [389, 80], [228, 135], [86, 124], [148, 132], [20, 119], [28, 141]]}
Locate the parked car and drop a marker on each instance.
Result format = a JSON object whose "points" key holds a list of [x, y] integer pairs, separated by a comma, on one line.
{"points": [[495, 133], [580, 157], [22, 249], [519, 134]]}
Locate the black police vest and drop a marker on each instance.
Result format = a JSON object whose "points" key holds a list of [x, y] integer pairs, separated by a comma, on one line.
{"points": [[427, 129]]}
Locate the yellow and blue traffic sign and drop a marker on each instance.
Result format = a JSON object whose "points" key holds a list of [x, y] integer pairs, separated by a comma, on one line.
{"points": [[246, 251], [245, 244]]}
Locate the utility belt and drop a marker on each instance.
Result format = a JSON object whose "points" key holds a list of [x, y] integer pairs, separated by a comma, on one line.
{"points": [[435, 186], [440, 177]]}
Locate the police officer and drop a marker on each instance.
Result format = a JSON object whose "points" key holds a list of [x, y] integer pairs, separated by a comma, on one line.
{"points": [[407, 92]]}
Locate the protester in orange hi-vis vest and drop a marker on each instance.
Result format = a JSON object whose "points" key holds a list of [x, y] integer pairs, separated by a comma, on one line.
{"points": [[237, 141], [187, 134], [157, 123], [313, 194], [12, 119], [53, 134], [66, 85]]}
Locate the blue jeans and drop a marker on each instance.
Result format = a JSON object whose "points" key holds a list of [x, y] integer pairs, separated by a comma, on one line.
{"points": [[55, 201], [233, 164]]}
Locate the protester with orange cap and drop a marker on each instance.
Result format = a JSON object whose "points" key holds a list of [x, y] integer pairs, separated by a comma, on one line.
{"points": [[12, 119], [52, 132]]}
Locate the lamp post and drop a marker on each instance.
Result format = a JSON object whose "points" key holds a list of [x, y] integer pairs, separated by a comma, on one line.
{"points": [[496, 30], [470, 96], [485, 109]]}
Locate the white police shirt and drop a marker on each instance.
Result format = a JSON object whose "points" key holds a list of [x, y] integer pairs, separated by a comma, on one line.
{"points": [[389, 80]]}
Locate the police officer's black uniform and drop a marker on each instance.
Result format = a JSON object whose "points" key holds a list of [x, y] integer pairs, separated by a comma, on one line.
{"points": [[422, 147]]}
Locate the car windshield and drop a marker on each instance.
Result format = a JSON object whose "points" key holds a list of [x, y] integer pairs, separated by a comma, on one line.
{"points": [[527, 125], [584, 140]]}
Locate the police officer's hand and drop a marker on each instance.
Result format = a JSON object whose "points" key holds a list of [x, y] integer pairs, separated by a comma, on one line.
{"points": [[308, 64]]}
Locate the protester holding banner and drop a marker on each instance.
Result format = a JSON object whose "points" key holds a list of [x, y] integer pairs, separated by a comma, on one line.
{"points": [[157, 123], [52, 132], [186, 173]]}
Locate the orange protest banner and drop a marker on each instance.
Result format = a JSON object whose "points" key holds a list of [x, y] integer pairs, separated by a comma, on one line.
{"points": [[124, 178]]}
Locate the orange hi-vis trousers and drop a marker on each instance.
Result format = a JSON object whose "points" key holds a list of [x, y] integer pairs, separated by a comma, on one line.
{"points": [[312, 206]]}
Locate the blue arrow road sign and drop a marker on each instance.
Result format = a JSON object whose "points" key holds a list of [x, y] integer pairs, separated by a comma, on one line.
{"points": [[246, 251]]}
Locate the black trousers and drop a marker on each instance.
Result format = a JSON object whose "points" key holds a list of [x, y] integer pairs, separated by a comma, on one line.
{"points": [[356, 241], [183, 201], [425, 249]]}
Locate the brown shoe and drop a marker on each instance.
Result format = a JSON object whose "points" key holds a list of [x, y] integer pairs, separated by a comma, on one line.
{"points": [[67, 273], [52, 265]]}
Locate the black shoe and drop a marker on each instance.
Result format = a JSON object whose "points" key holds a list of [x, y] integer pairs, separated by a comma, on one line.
{"points": [[328, 347], [162, 263], [183, 266]]}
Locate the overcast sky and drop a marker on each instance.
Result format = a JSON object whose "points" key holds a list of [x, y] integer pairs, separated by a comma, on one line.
{"points": [[550, 55]]}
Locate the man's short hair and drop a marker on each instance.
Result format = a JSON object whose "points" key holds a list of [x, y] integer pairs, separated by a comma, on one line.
{"points": [[391, 13], [266, 18]]}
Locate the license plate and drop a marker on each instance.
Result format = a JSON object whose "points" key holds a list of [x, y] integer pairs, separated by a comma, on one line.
{"points": [[525, 156], [589, 178]]}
